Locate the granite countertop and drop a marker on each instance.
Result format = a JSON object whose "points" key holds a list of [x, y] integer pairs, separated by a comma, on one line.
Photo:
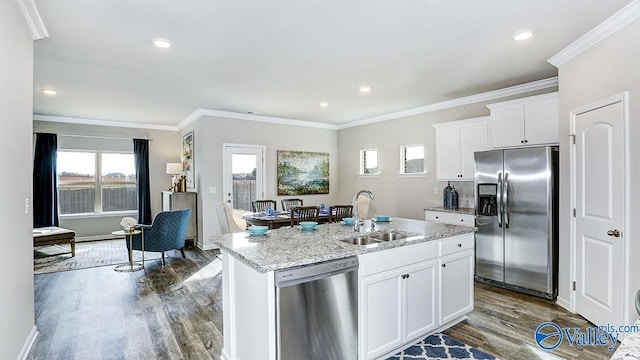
{"points": [[629, 347], [289, 247], [465, 211]]}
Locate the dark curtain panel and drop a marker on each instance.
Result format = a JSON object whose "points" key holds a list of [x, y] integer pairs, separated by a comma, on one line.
{"points": [[45, 183], [141, 155]]}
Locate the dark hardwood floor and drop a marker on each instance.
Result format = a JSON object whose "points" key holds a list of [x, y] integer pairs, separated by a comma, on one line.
{"points": [[97, 313], [503, 324], [176, 313]]}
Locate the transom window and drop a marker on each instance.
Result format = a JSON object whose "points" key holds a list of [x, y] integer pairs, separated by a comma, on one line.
{"points": [[412, 159], [96, 182], [369, 162]]}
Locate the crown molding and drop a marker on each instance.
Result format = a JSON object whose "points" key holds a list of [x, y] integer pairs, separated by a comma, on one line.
{"points": [[472, 99], [32, 19], [614, 23], [85, 121], [252, 117]]}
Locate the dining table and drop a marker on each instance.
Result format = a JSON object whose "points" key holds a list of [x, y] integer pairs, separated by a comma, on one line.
{"points": [[278, 218]]}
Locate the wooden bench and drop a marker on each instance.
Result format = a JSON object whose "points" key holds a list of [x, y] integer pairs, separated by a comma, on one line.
{"points": [[53, 235]]}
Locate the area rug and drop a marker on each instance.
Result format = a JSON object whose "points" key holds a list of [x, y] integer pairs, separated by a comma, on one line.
{"points": [[88, 254], [440, 346]]}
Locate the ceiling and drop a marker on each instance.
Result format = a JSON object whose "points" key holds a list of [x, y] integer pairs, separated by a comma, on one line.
{"points": [[282, 58]]}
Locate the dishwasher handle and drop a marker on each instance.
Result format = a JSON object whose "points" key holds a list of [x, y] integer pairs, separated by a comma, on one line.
{"points": [[304, 274]]}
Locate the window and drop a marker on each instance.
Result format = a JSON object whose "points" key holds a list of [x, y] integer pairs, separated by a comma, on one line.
{"points": [[369, 162], [96, 182], [412, 160]]}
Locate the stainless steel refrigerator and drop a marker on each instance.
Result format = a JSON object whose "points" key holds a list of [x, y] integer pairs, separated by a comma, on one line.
{"points": [[517, 218]]}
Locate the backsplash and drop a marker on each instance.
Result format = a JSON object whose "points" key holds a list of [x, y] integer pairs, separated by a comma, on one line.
{"points": [[465, 192]]}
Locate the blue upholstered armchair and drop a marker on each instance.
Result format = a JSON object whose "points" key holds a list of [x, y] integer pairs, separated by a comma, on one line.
{"points": [[167, 232]]}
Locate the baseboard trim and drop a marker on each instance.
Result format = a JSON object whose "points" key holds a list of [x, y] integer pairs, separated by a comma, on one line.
{"points": [[97, 237], [26, 348], [564, 303], [207, 246]]}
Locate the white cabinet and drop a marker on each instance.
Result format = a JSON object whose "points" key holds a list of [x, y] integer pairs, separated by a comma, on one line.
{"points": [[450, 217], [456, 141], [456, 278], [403, 292], [399, 300], [524, 122]]}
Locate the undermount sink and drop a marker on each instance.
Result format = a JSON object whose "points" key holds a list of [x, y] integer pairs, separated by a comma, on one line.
{"points": [[388, 236], [374, 238], [361, 240]]}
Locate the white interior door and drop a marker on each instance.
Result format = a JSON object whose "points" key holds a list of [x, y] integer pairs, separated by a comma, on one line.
{"points": [[243, 173], [599, 200]]}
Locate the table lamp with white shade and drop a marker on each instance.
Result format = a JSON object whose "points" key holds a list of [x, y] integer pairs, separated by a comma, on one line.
{"points": [[174, 169]]}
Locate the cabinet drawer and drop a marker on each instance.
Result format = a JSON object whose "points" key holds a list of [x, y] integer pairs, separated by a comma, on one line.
{"points": [[450, 218], [455, 244], [380, 261]]}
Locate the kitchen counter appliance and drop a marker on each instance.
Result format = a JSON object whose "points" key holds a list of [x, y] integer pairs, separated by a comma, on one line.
{"points": [[517, 219], [317, 311]]}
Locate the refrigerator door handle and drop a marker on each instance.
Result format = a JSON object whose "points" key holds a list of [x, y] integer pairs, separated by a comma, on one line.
{"points": [[505, 204], [500, 205]]}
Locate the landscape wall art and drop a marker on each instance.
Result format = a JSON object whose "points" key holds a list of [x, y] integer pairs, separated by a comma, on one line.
{"points": [[303, 173]]}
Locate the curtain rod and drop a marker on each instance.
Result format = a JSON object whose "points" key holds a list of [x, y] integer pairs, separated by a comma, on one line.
{"points": [[100, 137]]}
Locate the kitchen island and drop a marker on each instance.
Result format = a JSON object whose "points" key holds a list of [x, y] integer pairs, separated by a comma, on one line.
{"points": [[406, 288]]}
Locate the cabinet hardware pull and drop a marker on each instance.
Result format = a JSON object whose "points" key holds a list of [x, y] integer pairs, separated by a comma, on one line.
{"points": [[437, 217], [459, 245], [444, 265]]}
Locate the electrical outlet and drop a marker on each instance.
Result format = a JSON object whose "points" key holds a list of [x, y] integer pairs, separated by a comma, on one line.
{"points": [[435, 190], [26, 206]]}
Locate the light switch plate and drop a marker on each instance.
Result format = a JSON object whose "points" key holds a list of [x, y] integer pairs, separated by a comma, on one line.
{"points": [[212, 190], [435, 190]]}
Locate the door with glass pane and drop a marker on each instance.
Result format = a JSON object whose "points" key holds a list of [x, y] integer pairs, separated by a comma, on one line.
{"points": [[243, 175]]}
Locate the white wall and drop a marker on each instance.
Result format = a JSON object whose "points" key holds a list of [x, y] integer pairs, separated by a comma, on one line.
{"points": [[395, 195], [610, 67], [164, 147], [211, 132], [16, 93]]}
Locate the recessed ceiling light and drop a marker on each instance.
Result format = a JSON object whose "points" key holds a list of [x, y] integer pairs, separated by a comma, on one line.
{"points": [[365, 89], [324, 104], [523, 35], [161, 43], [50, 92]]}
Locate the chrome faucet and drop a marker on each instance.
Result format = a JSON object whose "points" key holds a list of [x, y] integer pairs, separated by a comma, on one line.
{"points": [[359, 221]]}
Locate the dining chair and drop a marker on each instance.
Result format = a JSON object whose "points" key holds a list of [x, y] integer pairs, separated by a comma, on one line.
{"points": [[287, 204], [338, 212], [263, 205], [225, 219], [304, 213]]}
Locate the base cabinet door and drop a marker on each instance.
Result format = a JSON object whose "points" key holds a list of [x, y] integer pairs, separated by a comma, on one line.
{"points": [[382, 312], [400, 305], [456, 291], [421, 294]]}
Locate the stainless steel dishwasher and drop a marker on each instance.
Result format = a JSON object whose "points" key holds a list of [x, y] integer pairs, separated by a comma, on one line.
{"points": [[317, 311]]}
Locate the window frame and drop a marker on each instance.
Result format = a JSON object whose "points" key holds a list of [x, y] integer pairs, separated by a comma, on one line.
{"points": [[97, 206], [363, 164], [403, 161]]}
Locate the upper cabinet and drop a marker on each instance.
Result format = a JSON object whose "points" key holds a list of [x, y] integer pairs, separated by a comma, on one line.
{"points": [[456, 141], [524, 122]]}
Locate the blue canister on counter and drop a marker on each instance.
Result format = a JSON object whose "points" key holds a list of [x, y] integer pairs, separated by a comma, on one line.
{"points": [[453, 198], [269, 211], [446, 196]]}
